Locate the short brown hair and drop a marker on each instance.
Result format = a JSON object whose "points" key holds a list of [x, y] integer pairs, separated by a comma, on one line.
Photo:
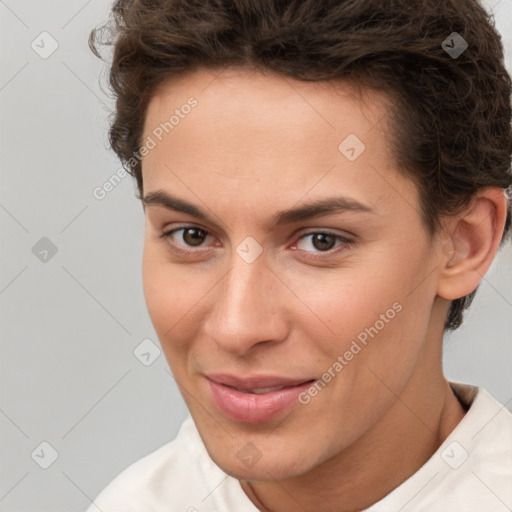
{"points": [[451, 121]]}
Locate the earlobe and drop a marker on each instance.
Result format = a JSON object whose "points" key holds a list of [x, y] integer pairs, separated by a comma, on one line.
{"points": [[472, 243]]}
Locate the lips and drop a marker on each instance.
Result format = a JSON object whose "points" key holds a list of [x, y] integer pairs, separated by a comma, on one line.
{"points": [[254, 399], [255, 382]]}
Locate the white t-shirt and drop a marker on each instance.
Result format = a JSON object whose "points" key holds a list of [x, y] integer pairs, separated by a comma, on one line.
{"points": [[470, 472]]}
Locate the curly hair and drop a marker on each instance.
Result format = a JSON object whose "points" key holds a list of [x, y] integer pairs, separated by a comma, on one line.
{"points": [[451, 118]]}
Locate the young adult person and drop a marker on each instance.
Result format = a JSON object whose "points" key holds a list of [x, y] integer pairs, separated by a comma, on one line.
{"points": [[324, 186]]}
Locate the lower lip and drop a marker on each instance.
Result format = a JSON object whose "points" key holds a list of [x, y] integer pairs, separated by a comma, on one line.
{"points": [[252, 407]]}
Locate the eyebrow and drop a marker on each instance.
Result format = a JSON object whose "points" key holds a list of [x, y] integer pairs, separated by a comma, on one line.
{"points": [[309, 210]]}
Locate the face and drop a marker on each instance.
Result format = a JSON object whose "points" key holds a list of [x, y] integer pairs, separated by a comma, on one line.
{"points": [[252, 284]]}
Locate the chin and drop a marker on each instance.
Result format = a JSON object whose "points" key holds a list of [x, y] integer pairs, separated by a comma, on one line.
{"points": [[267, 468]]}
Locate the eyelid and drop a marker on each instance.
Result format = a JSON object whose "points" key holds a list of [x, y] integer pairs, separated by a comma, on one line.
{"points": [[167, 233], [345, 241]]}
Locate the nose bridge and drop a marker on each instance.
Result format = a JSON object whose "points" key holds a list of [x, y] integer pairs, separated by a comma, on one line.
{"points": [[245, 311]]}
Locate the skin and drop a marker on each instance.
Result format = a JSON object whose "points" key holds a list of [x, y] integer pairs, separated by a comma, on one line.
{"points": [[256, 144]]}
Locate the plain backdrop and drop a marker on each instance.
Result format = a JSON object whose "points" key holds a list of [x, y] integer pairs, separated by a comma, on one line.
{"points": [[73, 395]]}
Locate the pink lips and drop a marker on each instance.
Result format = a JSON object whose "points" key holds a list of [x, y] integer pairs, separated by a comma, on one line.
{"points": [[232, 396]]}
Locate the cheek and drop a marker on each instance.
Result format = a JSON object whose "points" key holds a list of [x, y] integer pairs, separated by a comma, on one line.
{"points": [[393, 322], [167, 304], [350, 300], [165, 291], [372, 314], [175, 298]]}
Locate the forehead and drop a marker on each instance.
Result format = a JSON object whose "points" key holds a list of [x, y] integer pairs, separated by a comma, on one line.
{"points": [[257, 98], [254, 136]]}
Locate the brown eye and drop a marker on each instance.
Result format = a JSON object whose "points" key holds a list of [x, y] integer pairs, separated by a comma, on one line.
{"points": [[193, 236], [319, 241], [318, 244], [323, 241], [185, 237]]}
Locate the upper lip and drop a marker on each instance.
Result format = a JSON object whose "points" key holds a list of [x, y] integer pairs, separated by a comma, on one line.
{"points": [[255, 381]]}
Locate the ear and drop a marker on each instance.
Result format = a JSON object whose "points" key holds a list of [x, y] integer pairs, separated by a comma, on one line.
{"points": [[470, 244]]}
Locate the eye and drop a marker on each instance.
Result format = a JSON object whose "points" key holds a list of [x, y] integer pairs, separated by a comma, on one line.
{"points": [[321, 242], [186, 238], [191, 236]]}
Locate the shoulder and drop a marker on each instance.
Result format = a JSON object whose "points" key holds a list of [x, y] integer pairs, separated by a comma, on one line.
{"points": [[472, 469], [487, 423], [473, 466], [478, 455], [172, 474]]}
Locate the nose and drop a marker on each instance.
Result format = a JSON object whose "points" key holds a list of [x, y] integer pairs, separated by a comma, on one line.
{"points": [[247, 308]]}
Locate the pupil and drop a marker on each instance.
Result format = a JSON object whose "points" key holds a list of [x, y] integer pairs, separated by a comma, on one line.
{"points": [[196, 238], [325, 241]]}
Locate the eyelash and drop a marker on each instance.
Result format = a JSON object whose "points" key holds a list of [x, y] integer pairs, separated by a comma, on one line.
{"points": [[345, 242]]}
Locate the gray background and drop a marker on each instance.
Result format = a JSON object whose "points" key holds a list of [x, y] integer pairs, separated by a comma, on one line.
{"points": [[70, 324]]}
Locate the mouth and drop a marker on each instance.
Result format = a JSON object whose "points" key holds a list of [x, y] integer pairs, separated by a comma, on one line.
{"points": [[255, 399], [259, 391]]}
